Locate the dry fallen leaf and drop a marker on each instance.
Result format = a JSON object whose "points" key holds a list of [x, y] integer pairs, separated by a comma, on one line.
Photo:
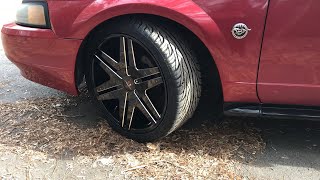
{"points": [[209, 151], [103, 162], [153, 147]]}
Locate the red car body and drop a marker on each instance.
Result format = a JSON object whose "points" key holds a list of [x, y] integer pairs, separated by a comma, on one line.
{"points": [[277, 63]]}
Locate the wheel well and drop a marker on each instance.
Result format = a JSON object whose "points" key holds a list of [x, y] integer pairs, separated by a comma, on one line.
{"points": [[211, 82]]}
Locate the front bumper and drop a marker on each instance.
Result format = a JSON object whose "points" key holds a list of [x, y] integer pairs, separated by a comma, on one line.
{"points": [[41, 56]]}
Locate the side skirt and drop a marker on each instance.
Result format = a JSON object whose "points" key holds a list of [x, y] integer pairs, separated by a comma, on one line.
{"points": [[272, 110]]}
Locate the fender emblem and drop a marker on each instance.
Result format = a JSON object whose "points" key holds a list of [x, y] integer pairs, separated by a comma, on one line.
{"points": [[240, 31]]}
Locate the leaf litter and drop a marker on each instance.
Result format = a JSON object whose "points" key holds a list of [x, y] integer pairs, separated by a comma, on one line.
{"points": [[43, 127]]}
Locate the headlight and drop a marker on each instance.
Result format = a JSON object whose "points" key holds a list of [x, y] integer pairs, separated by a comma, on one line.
{"points": [[33, 14]]}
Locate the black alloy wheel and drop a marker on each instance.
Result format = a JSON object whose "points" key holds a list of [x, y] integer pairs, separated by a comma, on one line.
{"points": [[129, 86]]}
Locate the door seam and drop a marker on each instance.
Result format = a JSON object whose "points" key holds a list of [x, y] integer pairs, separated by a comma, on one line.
{"points": [[261, 46]]}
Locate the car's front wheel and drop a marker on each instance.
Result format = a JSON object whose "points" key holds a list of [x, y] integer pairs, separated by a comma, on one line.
{"points": [[143, 77]]}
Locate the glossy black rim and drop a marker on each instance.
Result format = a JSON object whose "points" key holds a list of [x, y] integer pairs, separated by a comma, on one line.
{"points": [[129, 84]]}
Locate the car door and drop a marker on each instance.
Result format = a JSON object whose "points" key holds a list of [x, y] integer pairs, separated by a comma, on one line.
{"points": [[289, 69], [236, 59]]}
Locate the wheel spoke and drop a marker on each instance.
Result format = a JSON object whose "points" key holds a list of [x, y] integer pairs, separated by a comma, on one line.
{"points": [[106, 68], [115, 94], [144, 110], [122, 108], [130, 113], [109, 60], [150, 106], [126, 109], [148, 72], [108, 85], [150, 83], [123, 51], [131, 58]]}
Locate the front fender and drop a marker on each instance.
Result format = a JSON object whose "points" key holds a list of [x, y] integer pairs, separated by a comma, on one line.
{"points": [[85, 15], [211, 21]]}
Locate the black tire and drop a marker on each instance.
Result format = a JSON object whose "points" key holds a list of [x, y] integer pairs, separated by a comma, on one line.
{"points": [[178, 67]]}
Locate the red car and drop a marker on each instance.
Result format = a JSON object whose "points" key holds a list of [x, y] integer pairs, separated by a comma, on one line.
{"points": [[148, 63]]}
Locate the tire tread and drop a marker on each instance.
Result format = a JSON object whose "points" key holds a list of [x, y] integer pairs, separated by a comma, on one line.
{"points": [[183, 64]]}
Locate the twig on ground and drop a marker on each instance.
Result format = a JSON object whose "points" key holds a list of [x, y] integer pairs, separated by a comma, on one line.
{"points": [[134, 168], [67, 116]]}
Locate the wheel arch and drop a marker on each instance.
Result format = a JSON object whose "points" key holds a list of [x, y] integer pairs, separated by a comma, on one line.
{"points": [[197, 26]]}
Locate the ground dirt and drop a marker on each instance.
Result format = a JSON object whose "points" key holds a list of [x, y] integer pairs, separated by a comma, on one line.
{"points": [[46, 134]]}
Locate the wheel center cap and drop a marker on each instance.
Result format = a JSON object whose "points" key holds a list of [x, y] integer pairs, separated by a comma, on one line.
{"points": [[128, 83]]}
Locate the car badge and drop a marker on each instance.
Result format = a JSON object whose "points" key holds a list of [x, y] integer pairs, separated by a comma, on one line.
{"points": [[240, 30]]}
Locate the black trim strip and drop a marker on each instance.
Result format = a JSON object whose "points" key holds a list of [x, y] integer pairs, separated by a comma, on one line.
{"points": [[272, 110], [242, 109]]}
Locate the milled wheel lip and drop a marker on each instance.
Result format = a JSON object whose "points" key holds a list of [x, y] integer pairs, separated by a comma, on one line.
{"points": [[115, 120]]}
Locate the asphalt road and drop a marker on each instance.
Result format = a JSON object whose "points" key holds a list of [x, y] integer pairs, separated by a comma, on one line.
{"points": [[293, 147], [14, 87], [292, 151]]}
